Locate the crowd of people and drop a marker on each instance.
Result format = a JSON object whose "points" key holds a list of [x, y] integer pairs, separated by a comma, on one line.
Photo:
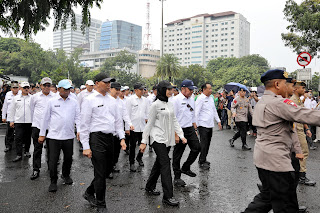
{"points": [[107, 117]]}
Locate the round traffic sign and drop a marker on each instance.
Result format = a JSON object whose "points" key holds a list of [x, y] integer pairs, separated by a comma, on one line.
{"points": [[304, 59]]}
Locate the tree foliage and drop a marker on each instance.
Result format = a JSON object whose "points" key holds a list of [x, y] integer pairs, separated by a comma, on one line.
{"points": [[168, 66], [27, 17], [123, 61], [304, 28]]}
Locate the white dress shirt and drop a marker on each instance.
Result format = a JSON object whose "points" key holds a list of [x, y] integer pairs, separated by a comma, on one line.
{"points": [[137, 109], [151, 98], [6, 104], [20, 111], [185, 110], [307, 103], [162, 124], [82, 95], [38, 105], [206, 111], [124, 113], [60, 117], [100, 114]]}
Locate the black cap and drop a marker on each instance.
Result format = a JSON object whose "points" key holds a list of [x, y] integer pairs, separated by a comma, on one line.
{"points": [[154, 87], [104, 78], [115, 85], [291, 80], [273, 74], [165, 84], [138, 86]]}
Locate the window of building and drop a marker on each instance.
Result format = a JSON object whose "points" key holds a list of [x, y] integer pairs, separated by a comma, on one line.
{"points": [[207, 31], [216, 29], [232, 33], [222, 23], [207, 25], [222, 29], [206, 51], [222, 39], [207, 41], [232, 28], [232, 39], [232, 44], [231, 50], [232, 22], [207, 57], [196, 57], [207, 46], [206, 36], [226, 23]]}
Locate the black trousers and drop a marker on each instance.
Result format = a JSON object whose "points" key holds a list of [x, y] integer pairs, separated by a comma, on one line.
{"points": [[161, 167], [224, 117], [55, 147], [134, 138], [127, 141], [250, 126], [22, 136], [101, 145], [242, 132], [195, 148], [9, 139], [278, 193], [205, 140], [116, 150], [37, 152]]}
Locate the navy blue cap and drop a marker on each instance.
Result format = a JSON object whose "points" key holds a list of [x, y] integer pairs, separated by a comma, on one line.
{"points": [[189, 84], [273, 74]]}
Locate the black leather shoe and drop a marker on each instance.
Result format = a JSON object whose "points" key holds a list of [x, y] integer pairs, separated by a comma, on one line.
{"points": [[90, 198], [102, 210], [127, 152], [7, 149], [67, 180], [302, 209], [179, 182], [228, 127], [170, 201], [231, 141], [110, 176], [35, 175], [53, 187], [133, 168], [18, 158], [189, 173], [153, 191], [207, 162], [150, 149], [204, 166], [246, 147], [140, 162]]}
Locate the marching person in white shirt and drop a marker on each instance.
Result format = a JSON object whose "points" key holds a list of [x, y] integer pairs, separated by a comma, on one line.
{"points": [[61, 115], [162, 125], [184, 110], [206, 113], [88, 91], [20, 118], [38, 105], [100, 121], [82, 95], [114, 92], [9, 139], [137, 107]]}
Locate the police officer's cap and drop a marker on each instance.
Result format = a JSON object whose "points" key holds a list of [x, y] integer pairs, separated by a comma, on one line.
{"points": [[291, 80], [273, 74], [300, 83]]}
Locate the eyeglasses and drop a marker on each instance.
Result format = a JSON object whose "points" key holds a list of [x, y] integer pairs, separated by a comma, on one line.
{"points": [[26, 87], [47, 85], [191, 109]]}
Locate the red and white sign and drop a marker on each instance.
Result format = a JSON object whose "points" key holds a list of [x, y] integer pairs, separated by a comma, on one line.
{"points": [[304, 59]]}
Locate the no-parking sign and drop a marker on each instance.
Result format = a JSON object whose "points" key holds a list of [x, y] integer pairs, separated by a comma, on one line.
{"points": [[304, 59]]}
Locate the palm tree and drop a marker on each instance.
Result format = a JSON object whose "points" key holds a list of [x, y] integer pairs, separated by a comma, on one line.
{"points": [[168, 66]]}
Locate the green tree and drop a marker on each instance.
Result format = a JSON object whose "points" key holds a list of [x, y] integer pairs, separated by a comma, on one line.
{"points": [[123, 61], [30, 16], [127, 79], [196, 73], [304, 28], [314, 83], [168, 66]]}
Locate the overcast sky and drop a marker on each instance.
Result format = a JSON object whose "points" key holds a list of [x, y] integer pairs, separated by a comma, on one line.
{"points": [[266, 23]]}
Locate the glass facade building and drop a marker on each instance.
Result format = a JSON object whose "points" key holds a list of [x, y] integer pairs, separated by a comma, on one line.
{"points": [[119, 34]]}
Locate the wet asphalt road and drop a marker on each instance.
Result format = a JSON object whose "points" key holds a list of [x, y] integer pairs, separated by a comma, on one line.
{"points": [[228, 186]]}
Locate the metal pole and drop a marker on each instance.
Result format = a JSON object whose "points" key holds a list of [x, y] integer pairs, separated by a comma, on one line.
{"points": [[162, 29]]}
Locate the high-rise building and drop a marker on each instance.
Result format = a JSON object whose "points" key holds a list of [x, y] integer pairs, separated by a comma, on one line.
{"points": [[119, 34], [198, 39], [68, 39]]}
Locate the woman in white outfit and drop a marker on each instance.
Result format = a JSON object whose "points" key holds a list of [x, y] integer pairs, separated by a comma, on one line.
{"points": [[162, 126]]}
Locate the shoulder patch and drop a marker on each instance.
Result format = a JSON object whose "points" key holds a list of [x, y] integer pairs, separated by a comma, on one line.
{"points": [[290, 102], [235, 101]]}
